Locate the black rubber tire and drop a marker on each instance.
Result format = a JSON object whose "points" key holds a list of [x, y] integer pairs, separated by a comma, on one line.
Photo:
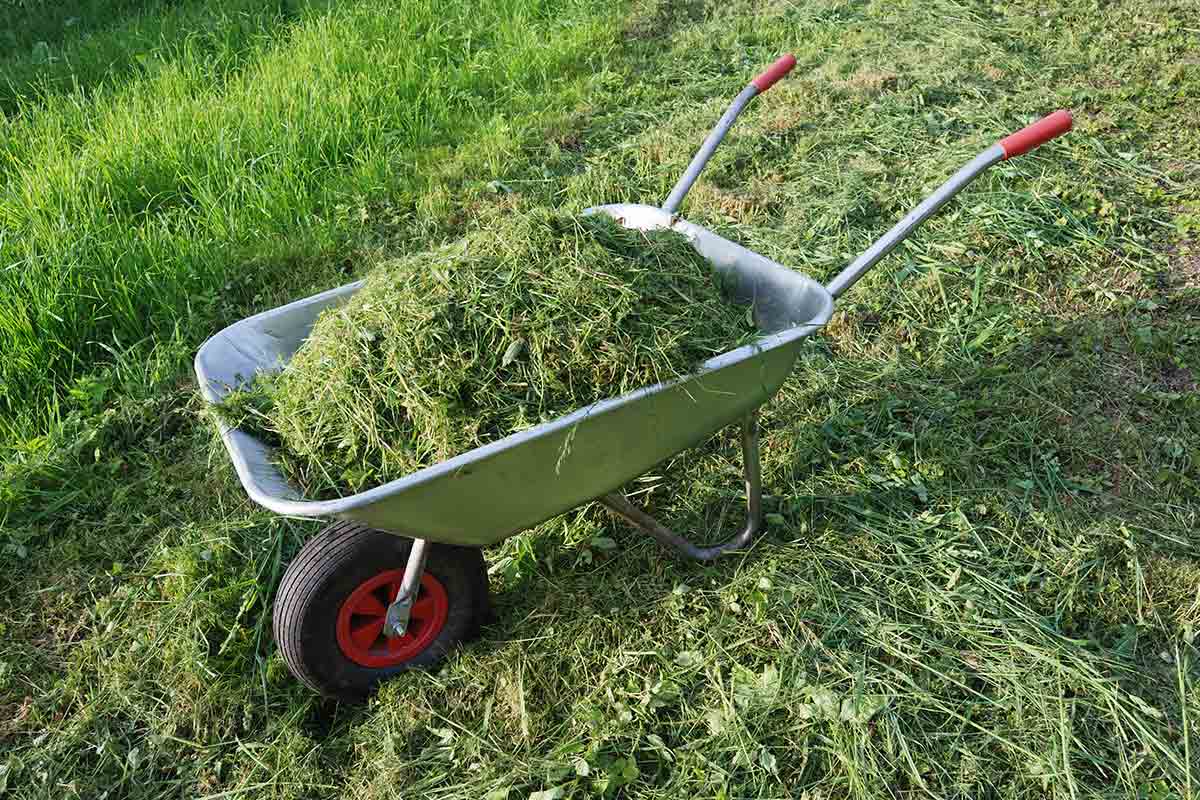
{"points": [[329, 567]]}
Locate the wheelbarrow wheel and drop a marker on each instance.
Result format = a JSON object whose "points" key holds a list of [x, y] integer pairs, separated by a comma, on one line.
{"points": [[330, 608]]}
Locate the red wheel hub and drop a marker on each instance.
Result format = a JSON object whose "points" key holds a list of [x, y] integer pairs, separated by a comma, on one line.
{"points": [[360, 620]]}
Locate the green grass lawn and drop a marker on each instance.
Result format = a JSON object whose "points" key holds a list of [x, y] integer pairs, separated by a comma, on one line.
{"points": [[230, 145], [980, 577]]}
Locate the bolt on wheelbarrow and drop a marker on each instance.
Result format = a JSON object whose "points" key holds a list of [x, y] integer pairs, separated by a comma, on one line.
{"points": [[400, 579]]}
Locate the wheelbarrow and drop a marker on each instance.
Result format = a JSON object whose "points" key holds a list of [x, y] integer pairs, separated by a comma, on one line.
{"points": [[399, 580]]}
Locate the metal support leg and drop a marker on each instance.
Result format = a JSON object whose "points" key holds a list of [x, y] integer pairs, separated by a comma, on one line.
{"points": [[640, 519], [396, 621]]}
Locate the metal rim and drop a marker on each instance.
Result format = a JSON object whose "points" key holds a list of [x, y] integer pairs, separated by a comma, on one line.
{"points": [[361, 617]]}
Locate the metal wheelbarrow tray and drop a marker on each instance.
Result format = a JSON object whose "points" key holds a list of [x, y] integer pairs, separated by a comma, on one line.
{"points": [[491, 492]]}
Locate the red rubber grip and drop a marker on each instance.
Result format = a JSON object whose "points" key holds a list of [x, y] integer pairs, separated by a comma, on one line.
{"points": [[782, 66], [1038, 133]]}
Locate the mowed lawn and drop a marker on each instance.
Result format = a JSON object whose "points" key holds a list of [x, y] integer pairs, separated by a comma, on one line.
{"points": [[980, 577]]}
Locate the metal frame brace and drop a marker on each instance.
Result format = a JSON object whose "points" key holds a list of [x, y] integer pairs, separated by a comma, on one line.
{"points": [[619, 505], [396, 621]]}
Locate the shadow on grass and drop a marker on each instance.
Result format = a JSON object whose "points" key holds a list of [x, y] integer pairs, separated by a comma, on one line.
{"points": [[57, 48], [950, 540], [939, 537]]}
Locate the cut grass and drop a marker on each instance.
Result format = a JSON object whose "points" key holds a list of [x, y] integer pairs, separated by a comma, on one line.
{"points": [[979, 578], [532, 316]]}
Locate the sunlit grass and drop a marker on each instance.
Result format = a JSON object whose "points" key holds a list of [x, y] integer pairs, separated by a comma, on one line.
{"points": [[127, 210]]}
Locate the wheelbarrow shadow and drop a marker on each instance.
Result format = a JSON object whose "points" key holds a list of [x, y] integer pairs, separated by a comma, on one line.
{"points": [[1071, 423], [1040, 436]]}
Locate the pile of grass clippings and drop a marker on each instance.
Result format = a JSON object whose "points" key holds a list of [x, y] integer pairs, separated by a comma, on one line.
{"points": [[531, 317]]}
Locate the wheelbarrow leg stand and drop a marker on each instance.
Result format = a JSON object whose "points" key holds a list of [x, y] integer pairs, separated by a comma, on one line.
{"points": [[619, 505], [396, 621]]}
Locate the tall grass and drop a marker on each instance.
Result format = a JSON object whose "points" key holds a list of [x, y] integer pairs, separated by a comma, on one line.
{"points": [[55, 47], [127, 209]]}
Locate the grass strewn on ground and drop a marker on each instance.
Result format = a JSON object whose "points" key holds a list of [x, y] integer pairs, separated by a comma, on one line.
{"points": [[980, 577]]}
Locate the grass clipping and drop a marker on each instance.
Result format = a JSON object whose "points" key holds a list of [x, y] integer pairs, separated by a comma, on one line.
{"points": [[533, 316]]}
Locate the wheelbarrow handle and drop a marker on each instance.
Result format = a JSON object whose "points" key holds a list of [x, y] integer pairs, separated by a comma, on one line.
{"points": [[1016, 144], [1037, 134], [760, 84], [771, 75]]}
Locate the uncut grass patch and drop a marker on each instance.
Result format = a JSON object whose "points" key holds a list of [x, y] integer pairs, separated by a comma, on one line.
{"points": [[131, 207], [532, 316], [50, 48]]}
